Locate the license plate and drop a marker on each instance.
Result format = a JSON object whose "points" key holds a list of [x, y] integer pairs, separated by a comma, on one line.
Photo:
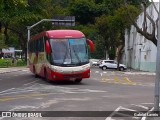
{"points": [[72, 79]]}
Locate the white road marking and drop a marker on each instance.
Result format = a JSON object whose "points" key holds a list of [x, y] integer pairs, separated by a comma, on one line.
{"points": [[141, 106], [96, 71], [127, 109], [118, 113], [109, 117], [104, 72], [49, 88], [64, 89], [144, 118], [101, 74], [30, 83], [25, 70], [148, 103], [7, 90], [16, 92], [120, 108]]}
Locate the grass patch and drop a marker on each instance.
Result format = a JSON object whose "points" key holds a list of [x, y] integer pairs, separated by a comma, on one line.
{"points": [[4, 63]]}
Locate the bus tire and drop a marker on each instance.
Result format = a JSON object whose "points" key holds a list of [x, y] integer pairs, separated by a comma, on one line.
{"points": [[34, 71], [46, 76], [78, 80]]}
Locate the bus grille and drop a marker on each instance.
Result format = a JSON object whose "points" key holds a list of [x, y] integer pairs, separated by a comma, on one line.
{"points": [[73, 76]]}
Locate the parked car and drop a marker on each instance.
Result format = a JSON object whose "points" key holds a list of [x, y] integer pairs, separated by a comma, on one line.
{"points": [[94, 62], [105, 64]]}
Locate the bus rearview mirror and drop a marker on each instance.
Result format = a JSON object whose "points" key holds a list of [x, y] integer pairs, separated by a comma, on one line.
{"points": [[48, 48], [90, 44]]}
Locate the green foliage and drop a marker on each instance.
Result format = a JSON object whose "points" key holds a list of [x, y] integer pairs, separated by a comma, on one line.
{"points": [[100, 20], [8, 63], [121, 15], [86, 11], [112, 27], [5, 63], [112, 53], [83, 10], [21, 63], [100, 48], [2, 42], [11, 8]]}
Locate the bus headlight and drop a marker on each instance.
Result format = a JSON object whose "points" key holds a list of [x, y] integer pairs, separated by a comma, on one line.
{"points": [[86, 67], [56, 69]]}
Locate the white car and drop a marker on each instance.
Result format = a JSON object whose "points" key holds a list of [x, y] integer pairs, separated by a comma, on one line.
{"points": [[104, 64], [94, 62]]}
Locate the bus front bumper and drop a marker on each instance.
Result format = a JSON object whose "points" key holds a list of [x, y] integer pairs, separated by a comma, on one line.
{"points": [[70, 76]]}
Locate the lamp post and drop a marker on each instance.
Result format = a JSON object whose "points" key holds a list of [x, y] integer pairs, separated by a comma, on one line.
{"points": [[157, 80]]}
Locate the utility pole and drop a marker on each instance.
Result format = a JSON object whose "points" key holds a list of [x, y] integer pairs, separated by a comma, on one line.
{"points": [[58, 20], [157, 80]]}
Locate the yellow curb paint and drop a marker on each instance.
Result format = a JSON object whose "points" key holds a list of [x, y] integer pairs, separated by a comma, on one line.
{"points": [[127, 80], [7, 98], [116, 79]]}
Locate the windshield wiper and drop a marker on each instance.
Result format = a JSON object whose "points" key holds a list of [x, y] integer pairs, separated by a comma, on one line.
{"points": [[77, 56], [65, 53]]}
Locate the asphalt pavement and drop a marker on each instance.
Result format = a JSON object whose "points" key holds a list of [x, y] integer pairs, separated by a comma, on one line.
{"points": [[105, 90]]}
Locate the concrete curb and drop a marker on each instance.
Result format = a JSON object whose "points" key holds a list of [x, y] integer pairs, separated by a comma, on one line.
{"points": [[9, 70]]}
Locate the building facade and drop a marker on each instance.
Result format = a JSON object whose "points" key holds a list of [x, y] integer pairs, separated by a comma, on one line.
{"points": [[140, 53]]}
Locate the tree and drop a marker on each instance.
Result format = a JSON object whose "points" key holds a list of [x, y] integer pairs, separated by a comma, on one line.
{"points": [[116, 25], [16, 15], [9, 9], [83, 10], [144, 29], [121, 22], [2, 42]]}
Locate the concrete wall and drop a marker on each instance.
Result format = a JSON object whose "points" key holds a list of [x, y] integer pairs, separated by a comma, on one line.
{"points": [[140, 53]]}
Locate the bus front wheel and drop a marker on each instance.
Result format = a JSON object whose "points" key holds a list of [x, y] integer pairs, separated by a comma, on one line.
{"points": [[78, 80], [46, 76]]}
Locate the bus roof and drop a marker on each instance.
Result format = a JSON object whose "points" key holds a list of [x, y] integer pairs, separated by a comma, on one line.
{"points": [[60, 34]]}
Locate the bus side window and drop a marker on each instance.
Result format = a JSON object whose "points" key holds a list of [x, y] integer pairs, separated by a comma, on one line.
{"points": [[36, 41], [31, 46], [42, 45], [34, 44], [39, 45], [41, 49]]}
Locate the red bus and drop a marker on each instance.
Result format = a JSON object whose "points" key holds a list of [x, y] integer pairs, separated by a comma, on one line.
{"points": [[60, 55]]}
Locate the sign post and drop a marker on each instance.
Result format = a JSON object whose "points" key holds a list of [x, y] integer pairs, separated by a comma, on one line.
{"points": [[56, 21]]}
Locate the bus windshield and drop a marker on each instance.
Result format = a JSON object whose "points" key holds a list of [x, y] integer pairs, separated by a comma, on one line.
{"points": [[69, 52]]}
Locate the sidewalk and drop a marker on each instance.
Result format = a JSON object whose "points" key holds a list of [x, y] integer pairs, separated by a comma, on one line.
{"points": [[128, 71], [13, 69], [139, 73]]}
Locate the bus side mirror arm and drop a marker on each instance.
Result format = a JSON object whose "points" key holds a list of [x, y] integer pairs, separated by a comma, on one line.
{"points": [[47, 46], [90, 44]]}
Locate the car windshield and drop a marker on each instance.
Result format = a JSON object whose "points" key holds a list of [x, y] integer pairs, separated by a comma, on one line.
{"points": [[66, 52]]}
